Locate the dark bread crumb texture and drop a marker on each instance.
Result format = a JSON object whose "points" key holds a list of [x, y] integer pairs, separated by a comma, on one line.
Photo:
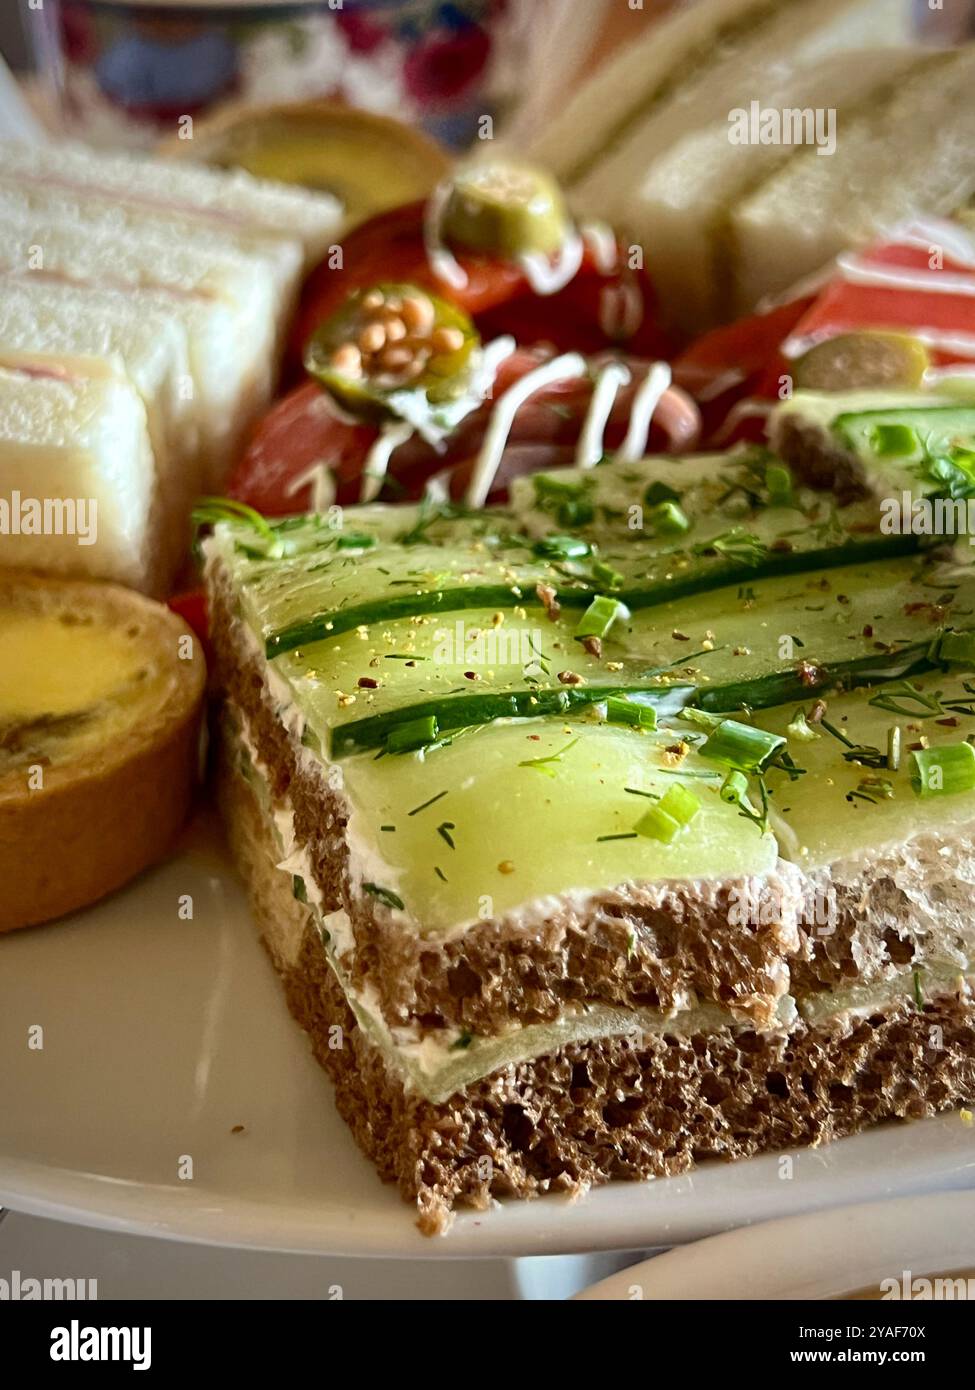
{"points": [[615, 1109], [601, 1111]]}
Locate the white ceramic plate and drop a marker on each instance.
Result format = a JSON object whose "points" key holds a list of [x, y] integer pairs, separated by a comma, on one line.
{"points": [[162, 1034], [820, 1255]]}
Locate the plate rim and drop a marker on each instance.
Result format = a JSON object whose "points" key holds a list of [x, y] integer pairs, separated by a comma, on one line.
{"points": [[816, 1253]]}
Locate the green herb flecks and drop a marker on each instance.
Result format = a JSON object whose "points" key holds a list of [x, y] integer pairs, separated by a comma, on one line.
{"points": [[424, 804], [545, 764], [385, 895]]}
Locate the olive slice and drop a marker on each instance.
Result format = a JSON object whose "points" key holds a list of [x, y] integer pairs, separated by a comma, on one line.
{"points": [[506, 210], [863, 362], [393, 338]]}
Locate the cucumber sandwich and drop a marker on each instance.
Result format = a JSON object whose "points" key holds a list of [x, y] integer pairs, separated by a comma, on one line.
{"points": [[628, 827]]}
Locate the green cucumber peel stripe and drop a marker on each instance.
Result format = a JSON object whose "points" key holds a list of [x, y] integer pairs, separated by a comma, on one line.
{"points": [[760, 692], [455, 712], [785, 687], [713, 574]]}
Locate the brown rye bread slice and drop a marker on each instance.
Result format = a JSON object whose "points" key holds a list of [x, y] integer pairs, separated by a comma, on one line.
{"points": [[621, 1108], [637, 945]]}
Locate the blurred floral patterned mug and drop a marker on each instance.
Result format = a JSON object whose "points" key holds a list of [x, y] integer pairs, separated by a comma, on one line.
{"points": [[127, 69]]}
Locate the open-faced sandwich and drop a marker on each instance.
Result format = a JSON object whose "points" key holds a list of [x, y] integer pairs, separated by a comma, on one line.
{"points": [[621, 828], [597, 707], [605, 818]]}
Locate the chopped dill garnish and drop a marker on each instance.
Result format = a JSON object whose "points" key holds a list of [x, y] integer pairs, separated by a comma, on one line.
{"points": [[385, 895], [424, 804], [544, 764]]}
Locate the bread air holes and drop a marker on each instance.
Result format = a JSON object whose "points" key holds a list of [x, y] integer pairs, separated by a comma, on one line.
{"points": [[901, 952], [581, 1080], [518, 1128], [713, 1089], [618, 1114], [777, 1085]]}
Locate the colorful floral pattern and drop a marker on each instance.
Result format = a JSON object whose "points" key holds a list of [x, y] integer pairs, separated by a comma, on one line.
{"points": [[433, 62]]}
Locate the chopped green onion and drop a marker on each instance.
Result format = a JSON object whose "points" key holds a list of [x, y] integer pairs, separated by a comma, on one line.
{"points": [[599, 617], [576, 512], [660, 492], [778, 481], [800, 728], [955, 649], [605, 574], [562, 547], [547, 485], [355, 540], [894, 747], [734, 789], [620, 710], [742, 746], [944, 771], [701, 717], [412, 734], [574, 507], [657, 825], [298, 888], [892, 441], [680, 803], [668, 519]]}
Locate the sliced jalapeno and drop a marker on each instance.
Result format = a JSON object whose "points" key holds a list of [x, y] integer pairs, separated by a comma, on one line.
{"points": [[863, 361], [506, 210], [392, 338]]}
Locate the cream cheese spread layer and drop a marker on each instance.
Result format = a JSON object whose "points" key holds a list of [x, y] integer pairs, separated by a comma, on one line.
{"points": [[437, 1065]]}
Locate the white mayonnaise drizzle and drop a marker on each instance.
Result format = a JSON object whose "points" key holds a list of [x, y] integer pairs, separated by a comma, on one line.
{"points": [[946, 235], [398, 431], [570, 364], [748, 409], [544, 275], [601, 240], [437, 488], [645, 402], [620, 309], [548, 277], [495, 352], [590, 448], [857, 271], [319, 476], [440, 258], [723, 382], [374, 469], [933, 376]]}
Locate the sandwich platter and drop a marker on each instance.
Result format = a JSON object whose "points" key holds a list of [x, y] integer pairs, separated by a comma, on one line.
{"points": [[552, 638], [163, 1035]]}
